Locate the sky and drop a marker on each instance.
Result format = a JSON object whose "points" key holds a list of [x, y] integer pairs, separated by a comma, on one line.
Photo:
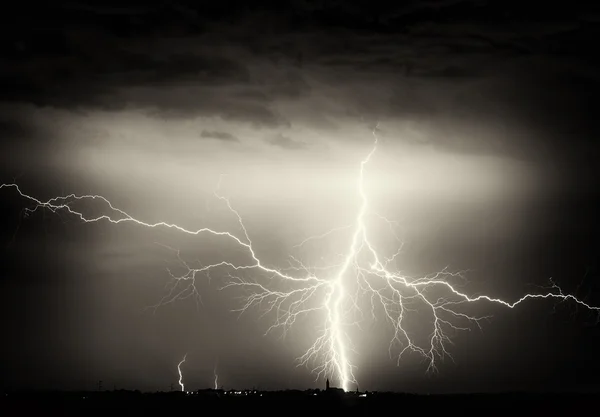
{"points": [[485, 115]]}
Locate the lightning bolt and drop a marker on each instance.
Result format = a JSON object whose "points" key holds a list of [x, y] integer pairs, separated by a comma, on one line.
{"points": [[180, 374], [335, 293], [216, 375]]}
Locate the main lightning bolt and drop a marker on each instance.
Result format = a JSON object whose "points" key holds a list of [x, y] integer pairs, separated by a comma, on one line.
{"points": [[333, 292], [180, 373]]}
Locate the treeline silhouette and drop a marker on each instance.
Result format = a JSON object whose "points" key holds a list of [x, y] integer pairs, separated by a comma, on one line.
{"points": [[272, 403]]}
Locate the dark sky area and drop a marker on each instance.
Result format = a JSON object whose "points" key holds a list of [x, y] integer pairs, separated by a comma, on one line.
{"points": [[487, 119]]}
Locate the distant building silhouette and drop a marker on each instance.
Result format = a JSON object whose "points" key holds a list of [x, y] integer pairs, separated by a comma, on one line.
{"points": [[329, 390]]}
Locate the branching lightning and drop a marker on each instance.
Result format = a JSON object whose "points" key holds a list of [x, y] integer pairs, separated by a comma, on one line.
{"points": [[180, 374], [335, 294]]}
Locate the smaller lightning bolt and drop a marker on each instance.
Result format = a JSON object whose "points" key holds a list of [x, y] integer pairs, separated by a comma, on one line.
{"points": [[180, 374], [216, 375]]}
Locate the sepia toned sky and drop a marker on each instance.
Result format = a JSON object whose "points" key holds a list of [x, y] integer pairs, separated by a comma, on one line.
{"points": [[487, 159]]}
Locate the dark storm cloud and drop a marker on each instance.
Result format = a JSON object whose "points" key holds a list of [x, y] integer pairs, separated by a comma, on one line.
{"points": [[436, 60], [108, 9], [224, 136], [285, 142], [92, 78], [184, 69], [88, 55]]}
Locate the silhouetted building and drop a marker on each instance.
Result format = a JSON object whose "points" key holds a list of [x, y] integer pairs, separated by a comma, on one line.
{"points": [[333, 391]]}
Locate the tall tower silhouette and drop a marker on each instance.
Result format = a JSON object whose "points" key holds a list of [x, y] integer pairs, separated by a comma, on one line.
{"points": [[327, 384]]}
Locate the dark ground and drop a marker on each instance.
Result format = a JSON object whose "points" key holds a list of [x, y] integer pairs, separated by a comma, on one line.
{"points": [[290, 403]]}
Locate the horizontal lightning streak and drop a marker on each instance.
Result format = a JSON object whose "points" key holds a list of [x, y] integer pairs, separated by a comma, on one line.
{"points": [[330, 294]]}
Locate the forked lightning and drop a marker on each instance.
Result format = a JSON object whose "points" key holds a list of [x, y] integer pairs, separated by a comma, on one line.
{"points": [[335, 294]]}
